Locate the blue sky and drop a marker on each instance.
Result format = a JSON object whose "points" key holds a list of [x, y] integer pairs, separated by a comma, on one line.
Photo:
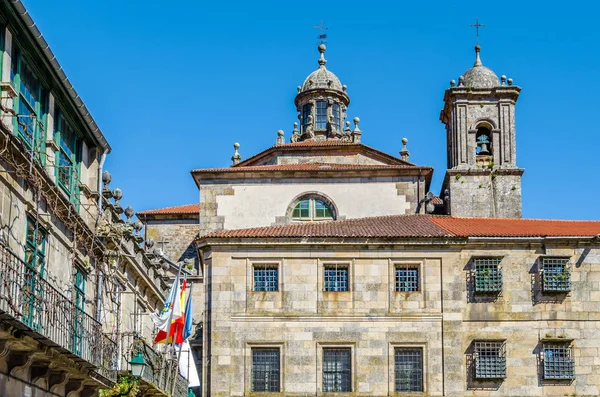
{"points": [[174, 84]]}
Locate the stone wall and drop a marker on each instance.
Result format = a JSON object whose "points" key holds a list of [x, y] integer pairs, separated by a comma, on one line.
{"points": [[443, 318], [174, 236], [265, 202]]}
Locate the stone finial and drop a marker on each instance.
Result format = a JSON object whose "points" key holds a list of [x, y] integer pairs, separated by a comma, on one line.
{"points": [[404, 153], [510, 81], [299, 89], [347, 129], [106, 178], [477, 58], [280, 138], [322, 60], [138, 226], [356, 133], [344, 87], [236, 156], [117, 195], [503, 79], [452, 83], [295, 133], [461, 81], [129, 213], [149, 244]]}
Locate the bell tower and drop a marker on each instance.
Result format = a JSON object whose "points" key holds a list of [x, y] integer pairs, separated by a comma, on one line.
{"points": [[482, 179]]}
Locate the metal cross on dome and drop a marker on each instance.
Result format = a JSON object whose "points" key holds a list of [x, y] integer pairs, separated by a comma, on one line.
{"points": [[322, 36], [477, 25]]}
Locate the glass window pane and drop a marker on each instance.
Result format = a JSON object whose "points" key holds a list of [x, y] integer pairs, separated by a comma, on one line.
{"points": [[266, 278], [336, 110], [265, 370], [336, 278], [306, 111], [408, 370], [302, 210], [322, 210], [337, 376], [407, 279], [321, 121]]}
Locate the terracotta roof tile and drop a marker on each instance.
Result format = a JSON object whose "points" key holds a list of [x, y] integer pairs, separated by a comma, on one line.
{"points": [[381, 226], [307, 167], [406, 226], [506, 227], [180, 209]]}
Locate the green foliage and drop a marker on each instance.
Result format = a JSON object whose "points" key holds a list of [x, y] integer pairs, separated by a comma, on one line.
{"points": [[491, 165], [126, 387], [458, 176]]}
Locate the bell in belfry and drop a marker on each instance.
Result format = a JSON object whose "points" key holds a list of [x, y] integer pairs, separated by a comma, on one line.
{"points": [[483, 142]]}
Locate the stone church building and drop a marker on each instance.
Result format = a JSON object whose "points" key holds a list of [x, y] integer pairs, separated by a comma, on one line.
{"points": [[305, 290]]}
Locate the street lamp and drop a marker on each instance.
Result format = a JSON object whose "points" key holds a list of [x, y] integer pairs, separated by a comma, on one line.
{"points": [[138, 365]]}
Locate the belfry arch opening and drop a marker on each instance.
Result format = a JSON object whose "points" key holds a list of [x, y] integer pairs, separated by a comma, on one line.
{"points": [[483, 141]]}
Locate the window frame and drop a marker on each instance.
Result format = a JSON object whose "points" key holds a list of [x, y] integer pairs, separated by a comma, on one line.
{"points": [[336, 111], [248, 371], [421, 374], [312, 209], [493, 369], [306, 111], [556, 282], [487, 275], [336, 267], [568, 360], [265, 267], [35, 102], [32, 246], [407, 267], [321, 107], [347, 373]]}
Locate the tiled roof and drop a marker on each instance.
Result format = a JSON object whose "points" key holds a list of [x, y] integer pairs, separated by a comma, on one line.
{"points": [[308, 167], [506, 227], [381, 226], [180, 209], [402, 226]]}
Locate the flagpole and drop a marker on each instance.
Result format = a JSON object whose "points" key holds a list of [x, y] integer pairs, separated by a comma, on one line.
{"points": [[169, 351], [178, 356]]}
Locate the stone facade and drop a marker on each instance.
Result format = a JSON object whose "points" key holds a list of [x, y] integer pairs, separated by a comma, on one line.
{"points": [[443, 318]]}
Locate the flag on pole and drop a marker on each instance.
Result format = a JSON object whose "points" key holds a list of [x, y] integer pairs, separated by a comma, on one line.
{"points": [[161, 319], [187, 324], [176, 318]]}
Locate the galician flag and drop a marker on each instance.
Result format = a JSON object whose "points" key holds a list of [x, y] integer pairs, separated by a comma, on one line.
{"points": [[172, 310]]}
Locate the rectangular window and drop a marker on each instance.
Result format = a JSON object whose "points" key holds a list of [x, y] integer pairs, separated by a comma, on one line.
{"points": [[556, 276], [336, 278], [306, 110], [558, 361], [266, 278], [68, 155], [335, 109], [408, 369], [490, 360], [488, 275], [265, 370], [35, 246], [32, 288], [337, 370], [407, 278], [321, 122]]}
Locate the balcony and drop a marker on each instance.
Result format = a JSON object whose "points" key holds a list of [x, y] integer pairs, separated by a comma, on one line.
{"points": [[35, 309], [158, 378]]}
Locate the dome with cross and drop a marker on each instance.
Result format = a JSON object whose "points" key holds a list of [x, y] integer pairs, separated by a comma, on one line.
{"points": [[479, 76]]}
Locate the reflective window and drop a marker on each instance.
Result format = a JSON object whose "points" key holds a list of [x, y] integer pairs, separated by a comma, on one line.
{"points": [[265, 370], [312, 209], [266, 278], [336, 110], [321, 121], [337, 376], [306, 110], [408, 370]]}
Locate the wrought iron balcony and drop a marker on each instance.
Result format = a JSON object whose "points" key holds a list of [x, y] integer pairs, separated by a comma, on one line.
{"points": [[160, 374], [29, 302]]}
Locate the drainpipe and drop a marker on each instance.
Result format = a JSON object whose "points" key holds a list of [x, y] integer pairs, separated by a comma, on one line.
{"points": [[102, 158]]}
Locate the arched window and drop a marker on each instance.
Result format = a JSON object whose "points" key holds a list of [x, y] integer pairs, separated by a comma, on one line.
{"points": [[311, 209], [484, 141]]}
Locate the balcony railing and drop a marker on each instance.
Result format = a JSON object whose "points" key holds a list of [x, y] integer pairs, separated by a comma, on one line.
{"points": [[29, 299], [160, 371]]}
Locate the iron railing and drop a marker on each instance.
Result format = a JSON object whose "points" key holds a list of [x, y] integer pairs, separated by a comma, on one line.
{"points": [[160, 369], [28, 298]]}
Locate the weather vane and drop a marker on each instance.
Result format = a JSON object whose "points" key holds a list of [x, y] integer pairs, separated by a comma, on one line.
{"points": [[477, 25], [322, 35]]}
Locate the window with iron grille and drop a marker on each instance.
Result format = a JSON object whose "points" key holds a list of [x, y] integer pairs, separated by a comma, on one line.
{"points": [[336, 278], [408, 369], [556, 276], [266, 277], [321, 108], [558, 361], [488, 275], [407, 278], [265, 370], [490, 360], [337, 367]]}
